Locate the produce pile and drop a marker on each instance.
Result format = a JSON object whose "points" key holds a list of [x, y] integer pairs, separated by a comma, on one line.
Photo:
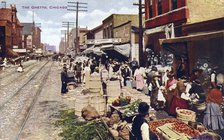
{"points": [[153, 125], [177, 126], [121, 101], [186, 112], [72, 129], [181, 127], [132, 108]]}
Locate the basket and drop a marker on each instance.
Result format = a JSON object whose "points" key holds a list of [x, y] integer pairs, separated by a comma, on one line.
{"points": [[200, 106], [186, 115]]}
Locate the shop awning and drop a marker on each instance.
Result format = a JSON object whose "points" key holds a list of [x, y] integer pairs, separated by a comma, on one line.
{"points": [[97, 51], [88, 50], [123, 49], [11, 53], [189, 38], [178, 45], [107, 47]]}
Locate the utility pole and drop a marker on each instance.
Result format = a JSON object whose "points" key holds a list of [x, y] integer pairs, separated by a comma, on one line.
{"points": [[64, 32], [78, 7], [3, 4], [67, 25], [140, 6]]}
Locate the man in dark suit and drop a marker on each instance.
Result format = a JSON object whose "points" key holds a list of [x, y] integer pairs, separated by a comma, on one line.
{"points": [[64, 80], [126, 73]]}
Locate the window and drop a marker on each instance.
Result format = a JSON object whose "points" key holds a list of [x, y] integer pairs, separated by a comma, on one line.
{"points": [[174, 4], [159, 7], [150, 8]]}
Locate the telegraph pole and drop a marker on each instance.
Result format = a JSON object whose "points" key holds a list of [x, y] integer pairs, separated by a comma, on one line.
{"points": [[140, 6], [78, 7], [64, 32], [67, 25], [3, 4]]}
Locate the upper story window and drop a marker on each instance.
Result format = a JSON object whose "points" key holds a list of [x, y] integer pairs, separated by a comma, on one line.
{"points": [[159, 7], [174, 4], [150, 8]]}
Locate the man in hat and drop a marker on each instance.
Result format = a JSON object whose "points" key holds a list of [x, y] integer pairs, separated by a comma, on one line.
{"points": [[140, 127], [134, 65], [64, 80], [126, 73]]}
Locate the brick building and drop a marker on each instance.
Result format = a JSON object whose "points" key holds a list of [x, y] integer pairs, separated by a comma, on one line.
{"points": [[192, 30], [159, 14], [116, 36], [31, 37], [10, 32]]}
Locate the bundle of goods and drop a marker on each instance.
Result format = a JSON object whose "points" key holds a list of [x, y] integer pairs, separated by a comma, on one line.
{"points": [[186, 115], [121, 101]]}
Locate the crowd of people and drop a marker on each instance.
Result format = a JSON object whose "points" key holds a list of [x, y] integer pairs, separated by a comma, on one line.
{"points": [[168, 89]]}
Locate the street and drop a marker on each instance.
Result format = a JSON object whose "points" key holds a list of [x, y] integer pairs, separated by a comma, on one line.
{"points": [[30, 103], [112, 70]]}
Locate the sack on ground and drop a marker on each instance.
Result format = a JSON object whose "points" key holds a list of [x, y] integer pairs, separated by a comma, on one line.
{"points": [[89, 113]]}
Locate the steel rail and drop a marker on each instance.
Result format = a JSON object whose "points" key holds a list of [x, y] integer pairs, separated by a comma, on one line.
{"points": [[33, 103], [10, 73], [17, 92], [19, 76]]}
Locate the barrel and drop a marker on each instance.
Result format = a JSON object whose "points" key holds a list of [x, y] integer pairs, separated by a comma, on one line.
{"points": [[99, 103], [113, 88], [81, 102], [94, 91], [95, 82]]}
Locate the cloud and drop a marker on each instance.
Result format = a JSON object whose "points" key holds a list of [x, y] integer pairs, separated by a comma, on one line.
{"points": [[51, 20], [95, 17]]}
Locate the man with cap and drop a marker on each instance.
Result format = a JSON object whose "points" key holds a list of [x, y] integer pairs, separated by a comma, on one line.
{"points": [[64, 80], [126, 73], [140, 127]]}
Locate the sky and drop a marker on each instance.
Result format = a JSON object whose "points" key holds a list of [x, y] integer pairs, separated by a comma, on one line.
{"points": [[50, 18]]}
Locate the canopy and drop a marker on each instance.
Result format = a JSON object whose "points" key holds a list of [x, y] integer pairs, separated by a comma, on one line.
{"points": [[88, 50], [123, 49], [11, 53], [195, 37], [97, 51]]}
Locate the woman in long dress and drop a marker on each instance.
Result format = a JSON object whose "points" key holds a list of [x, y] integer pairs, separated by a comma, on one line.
{"points": [[86, 73], [139, 79], [213, 117], [177, 101]]}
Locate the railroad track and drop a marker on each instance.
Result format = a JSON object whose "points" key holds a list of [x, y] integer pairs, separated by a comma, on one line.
{"points": [[11, 77], [20, 88], [32, 105], [6, 98], [23, 101], [14, 71]]}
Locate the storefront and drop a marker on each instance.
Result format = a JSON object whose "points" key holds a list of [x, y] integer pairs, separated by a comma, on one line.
{"points": [[204, 50]]}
